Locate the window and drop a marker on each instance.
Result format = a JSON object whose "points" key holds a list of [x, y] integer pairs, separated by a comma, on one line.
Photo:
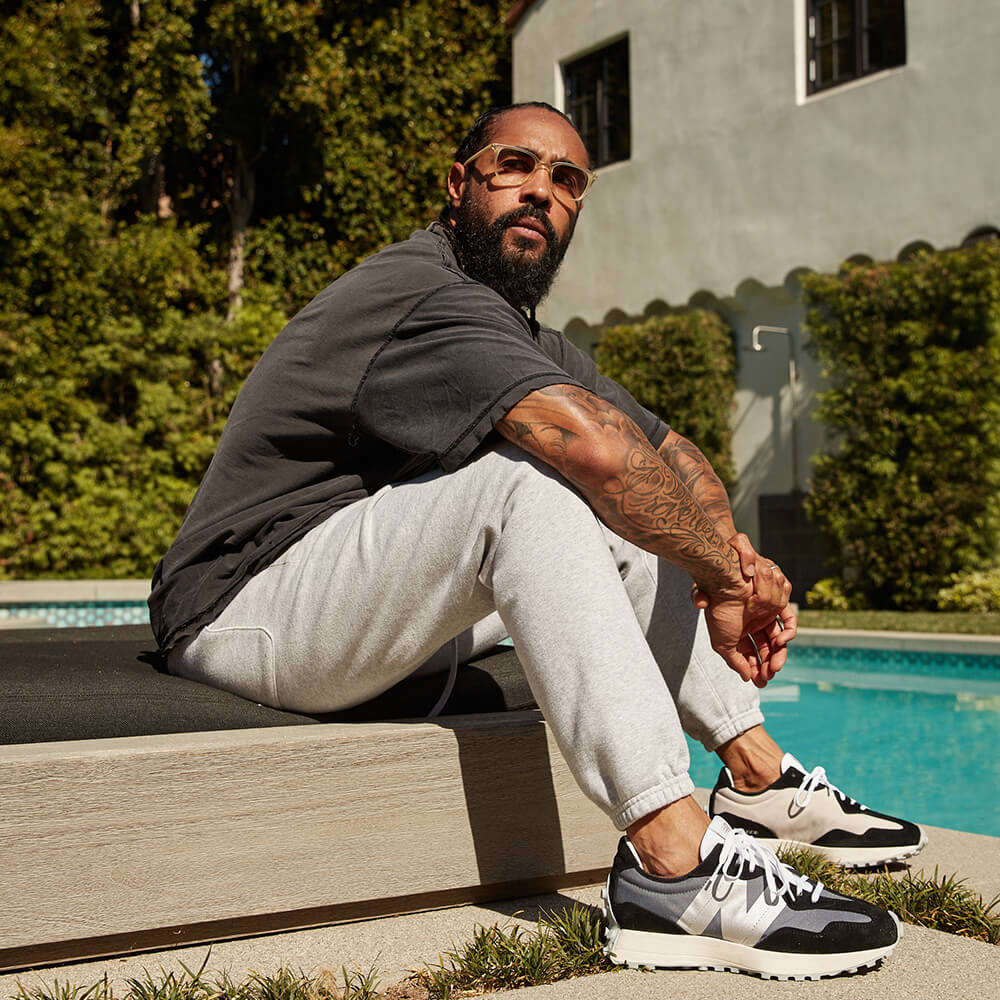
{"points": [[847, 39], [597, 99]]}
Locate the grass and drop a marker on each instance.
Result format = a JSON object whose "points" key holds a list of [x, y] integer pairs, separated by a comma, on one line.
{"points": [[566, 944], [963, 622], [285, 984]]}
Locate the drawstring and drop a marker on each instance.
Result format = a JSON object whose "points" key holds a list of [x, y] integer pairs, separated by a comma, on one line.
{"points": [[449, 684]]}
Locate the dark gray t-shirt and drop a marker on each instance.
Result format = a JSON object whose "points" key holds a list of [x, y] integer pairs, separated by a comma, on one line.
{"points": [[402, 365]]}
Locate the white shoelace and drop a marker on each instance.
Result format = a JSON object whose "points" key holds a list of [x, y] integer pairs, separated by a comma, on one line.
{"points": [[812, 781], [740, 847]]}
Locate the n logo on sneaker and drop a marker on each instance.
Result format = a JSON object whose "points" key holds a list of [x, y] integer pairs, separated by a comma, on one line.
{"points": [[731, 909]]}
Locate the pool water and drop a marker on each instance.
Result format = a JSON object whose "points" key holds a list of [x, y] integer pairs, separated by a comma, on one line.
{"points": [[908, 733], [76, 614]]}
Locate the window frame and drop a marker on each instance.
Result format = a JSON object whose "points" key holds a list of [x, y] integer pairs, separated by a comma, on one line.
{"points": [[611, 111], [859, 35]]}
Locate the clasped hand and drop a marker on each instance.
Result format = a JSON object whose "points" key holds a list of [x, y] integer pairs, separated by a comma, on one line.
{"points": [[750, 629]]}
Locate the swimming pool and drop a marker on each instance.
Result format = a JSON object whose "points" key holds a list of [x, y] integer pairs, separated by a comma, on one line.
{"points": [[74, 614], [910, 733]]}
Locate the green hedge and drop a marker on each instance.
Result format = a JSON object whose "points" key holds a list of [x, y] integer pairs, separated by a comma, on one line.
{"points": [[132, 148], [682, 366], [908, 494], [112, 404]]}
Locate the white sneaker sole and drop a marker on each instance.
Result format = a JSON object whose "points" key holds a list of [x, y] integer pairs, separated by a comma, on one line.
{"points": [[851, 857], [649, 950]]}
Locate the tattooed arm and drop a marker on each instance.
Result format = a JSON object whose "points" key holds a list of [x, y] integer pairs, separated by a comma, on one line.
{"points": [[633, 491], [640, 497], [695, 472]]}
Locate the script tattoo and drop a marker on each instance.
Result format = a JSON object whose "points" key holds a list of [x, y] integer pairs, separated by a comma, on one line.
{"points": [[630, 486], [695, 472]]}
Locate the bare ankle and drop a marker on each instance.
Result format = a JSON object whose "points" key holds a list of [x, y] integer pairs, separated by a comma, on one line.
{"points": [[753, 759], [667, 841]]}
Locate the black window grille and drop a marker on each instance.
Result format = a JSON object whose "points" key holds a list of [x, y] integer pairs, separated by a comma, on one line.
{"points": [[597, 100], [848, 39]]}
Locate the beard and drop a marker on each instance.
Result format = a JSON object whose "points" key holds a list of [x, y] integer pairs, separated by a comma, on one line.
{"points": [[522, 278]]}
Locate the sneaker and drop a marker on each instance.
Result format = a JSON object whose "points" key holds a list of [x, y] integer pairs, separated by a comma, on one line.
{"points": [[740, 910], [805, 810]]}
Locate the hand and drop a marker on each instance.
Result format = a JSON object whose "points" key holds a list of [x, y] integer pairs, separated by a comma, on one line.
{"points": [[730, 627], [767, 616], [771, 588]]}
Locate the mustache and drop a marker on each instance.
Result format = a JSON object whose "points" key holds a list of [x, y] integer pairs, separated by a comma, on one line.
{"points": [[528, 212]]}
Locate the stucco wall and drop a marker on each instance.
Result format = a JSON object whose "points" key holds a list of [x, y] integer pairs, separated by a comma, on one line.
{"points": [[737, 179]]}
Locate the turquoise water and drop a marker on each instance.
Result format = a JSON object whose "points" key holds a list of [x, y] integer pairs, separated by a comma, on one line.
{"points": [[912, 734], [78, 614]]}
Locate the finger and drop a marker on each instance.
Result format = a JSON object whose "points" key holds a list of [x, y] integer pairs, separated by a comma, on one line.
{"points": [[768, 584], [766, 672], [788, 622], [735, 660], [746, 552], [778, 659], [699, 598], [772, 655], [755, 653]]}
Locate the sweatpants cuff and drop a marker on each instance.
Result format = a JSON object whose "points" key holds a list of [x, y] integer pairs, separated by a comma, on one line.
{"points": [[660, 795], [733, 727]]}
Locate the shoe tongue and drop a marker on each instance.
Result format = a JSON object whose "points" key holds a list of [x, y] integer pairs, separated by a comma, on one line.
{"points": [[789, 761], [716, 834]]}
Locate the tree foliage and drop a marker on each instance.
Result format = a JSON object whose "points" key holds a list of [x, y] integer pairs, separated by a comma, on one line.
{"points": [[682, 367], [176, 178], [908, 494]]}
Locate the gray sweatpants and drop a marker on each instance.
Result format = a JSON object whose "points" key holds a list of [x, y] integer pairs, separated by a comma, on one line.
{"points": [[431, 571]]}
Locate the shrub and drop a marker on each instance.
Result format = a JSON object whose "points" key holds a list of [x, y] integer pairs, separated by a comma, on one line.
{"points": [[829, 595], [976, 591], [908, 494], [682, 367], [110, 423]]}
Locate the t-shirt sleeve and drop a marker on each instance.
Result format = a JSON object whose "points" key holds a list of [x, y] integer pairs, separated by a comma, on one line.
{"points": [[581, 366], [449, 371]]}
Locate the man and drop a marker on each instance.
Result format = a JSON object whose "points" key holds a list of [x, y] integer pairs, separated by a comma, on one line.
{"points": [[416, 468]]}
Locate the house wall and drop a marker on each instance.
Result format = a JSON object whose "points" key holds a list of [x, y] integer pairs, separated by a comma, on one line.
{"points": [[737, 180]]}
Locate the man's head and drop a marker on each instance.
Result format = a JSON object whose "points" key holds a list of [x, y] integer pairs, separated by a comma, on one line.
{"points": [[511, 230]]}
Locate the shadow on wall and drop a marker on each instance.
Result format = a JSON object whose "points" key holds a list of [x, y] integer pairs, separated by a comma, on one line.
{"points": [[774, 435]]}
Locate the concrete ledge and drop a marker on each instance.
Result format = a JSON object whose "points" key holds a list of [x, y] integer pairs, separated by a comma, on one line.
{"points": [[44, 591], [925, 642], [120, 845]]}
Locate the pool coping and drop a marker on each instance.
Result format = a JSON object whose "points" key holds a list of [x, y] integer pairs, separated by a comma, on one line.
{"points": [[924, 642], [66, 591]]}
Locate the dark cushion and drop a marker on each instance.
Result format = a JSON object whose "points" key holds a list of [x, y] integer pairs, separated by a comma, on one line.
{"points": [[92, 683]]}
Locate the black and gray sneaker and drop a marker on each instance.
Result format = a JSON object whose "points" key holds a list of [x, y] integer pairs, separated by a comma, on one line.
{"points": [[803, 809], [740, 910]]}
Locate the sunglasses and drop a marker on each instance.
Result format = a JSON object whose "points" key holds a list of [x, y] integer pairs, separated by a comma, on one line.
{"points": [[513, 165]]}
